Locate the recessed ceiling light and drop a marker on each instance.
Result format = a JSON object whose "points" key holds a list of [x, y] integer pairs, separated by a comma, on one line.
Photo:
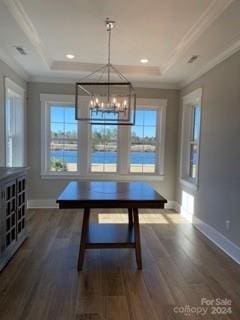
{"points": [[144, 60], [70, 56]]}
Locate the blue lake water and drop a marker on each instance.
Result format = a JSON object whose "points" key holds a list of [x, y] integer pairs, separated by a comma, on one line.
{"points": [[104, 157]]}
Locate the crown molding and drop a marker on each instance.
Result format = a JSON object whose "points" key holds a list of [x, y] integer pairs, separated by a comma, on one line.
{"points": [[14, 65], [218, 59], [24, 22], [213, 11]]}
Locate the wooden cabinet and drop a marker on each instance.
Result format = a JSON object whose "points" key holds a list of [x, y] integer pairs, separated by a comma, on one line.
{"points": [[12, 214], [21, 205], [9, 212]]}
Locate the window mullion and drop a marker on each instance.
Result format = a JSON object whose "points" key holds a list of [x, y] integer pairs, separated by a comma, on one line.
{"points": [[123, 149], [83, 148]]}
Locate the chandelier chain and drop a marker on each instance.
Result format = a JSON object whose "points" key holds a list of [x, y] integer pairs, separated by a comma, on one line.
{"points": [[109, 52]]}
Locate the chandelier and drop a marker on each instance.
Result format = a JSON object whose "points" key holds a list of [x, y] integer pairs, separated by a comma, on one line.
{"points": [[105, 96]]}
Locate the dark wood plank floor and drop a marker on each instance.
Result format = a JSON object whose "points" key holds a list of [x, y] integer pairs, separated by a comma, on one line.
{"points": [[180, 266]]}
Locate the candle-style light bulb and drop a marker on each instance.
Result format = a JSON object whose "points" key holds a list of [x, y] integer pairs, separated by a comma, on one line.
{"points": [[91, 104]]}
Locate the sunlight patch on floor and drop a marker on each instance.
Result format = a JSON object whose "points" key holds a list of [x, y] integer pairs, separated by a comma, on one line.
{"points": [[187, 206], [144, 218]]}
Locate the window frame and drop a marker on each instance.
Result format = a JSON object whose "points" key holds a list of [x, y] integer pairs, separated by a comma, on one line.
{"points": [[158, 135], [46, 102], [14, 90], [90, 172], [49, 138], [192, 141], [85, 144], [189, 102]]}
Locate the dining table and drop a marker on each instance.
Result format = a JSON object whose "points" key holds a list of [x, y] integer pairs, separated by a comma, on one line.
{"points": [[132, 196]]}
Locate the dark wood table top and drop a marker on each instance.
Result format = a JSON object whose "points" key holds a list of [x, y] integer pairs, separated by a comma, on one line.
{"points": [[109, 194]]}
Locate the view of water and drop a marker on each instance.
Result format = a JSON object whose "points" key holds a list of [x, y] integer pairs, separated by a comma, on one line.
{"points": [[104, 157]]}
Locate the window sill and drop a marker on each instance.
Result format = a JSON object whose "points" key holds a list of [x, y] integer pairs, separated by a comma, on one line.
{"points": [[106, 176], [189, 184]]}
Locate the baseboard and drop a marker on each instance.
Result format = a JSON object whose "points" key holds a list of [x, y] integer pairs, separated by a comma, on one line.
{"points": [[230, 248], [42, 204], [171, 204], [177, 207], [51, 203]]}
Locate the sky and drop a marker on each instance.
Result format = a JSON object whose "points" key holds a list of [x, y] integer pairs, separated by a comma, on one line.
{"points": [[63, 119]]}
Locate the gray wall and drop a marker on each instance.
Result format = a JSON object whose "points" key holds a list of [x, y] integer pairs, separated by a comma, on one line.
{"points": [[6, 71], [48, 189], [217, 198]]}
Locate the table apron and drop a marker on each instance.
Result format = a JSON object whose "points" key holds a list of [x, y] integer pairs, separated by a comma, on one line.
{"points": [[110, 205]]}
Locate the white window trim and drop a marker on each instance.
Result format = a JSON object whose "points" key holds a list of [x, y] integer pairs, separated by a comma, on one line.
{"points": [[46, 100], [161, 106], [123, 173], [188, 101], [92, 173], [11, 85], [17, 90]]}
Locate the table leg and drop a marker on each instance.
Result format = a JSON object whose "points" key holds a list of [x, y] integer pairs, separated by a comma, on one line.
{"points": [[130, 217], [137, 238], [85, 225]]}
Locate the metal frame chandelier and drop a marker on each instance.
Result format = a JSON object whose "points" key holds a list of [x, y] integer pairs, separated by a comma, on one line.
{"points": [[105, 96]]}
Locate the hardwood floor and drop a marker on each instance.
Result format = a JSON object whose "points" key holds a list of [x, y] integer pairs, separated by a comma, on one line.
{"points": [[180, 266]]}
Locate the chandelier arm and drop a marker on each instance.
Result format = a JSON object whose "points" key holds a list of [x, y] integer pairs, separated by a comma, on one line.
{"points": [[119, 73], [102, 74], [85, 90], [91, 74]]}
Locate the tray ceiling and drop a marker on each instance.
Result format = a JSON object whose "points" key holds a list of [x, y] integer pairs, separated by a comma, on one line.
{"points": [[167, 33]]}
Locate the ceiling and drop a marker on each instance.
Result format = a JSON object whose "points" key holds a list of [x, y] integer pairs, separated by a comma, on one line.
{"points": [[166, 32]]}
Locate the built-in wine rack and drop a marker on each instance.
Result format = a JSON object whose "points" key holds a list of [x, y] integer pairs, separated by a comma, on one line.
{"points": [[12, 215], [21, 204], [10, 209]]}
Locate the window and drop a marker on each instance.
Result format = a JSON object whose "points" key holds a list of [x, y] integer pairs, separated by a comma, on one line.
{"points": [[104, 148], [191, 120], [193, 144], [71, 147], [14, 128], [143, 142], [63, 139]]}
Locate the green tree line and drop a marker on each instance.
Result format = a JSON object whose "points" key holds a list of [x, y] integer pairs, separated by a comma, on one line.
{"points": [[104, 136]]}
